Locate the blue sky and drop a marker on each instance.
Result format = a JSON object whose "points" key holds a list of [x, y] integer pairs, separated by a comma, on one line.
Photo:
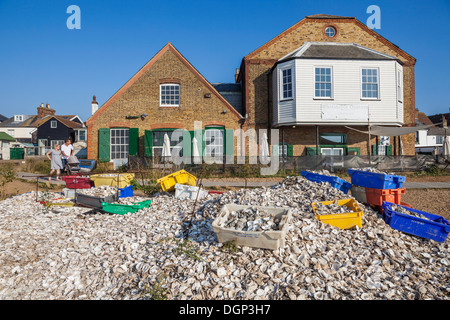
{"points": [[42, 61]]}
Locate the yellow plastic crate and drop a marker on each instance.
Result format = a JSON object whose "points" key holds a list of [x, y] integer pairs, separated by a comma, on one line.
{"points": [[343, 220], [121, 180], [181, 177]]}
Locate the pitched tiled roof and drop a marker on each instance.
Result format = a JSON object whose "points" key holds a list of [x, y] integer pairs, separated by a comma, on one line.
{"points": [[333, 50], [63, 119]]}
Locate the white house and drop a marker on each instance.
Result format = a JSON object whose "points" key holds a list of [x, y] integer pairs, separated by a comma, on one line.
{"points": [[337, 84]]}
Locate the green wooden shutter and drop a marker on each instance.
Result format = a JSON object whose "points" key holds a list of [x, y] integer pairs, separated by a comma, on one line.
{"points": [[148, 143], [104, 149], [389, 150], [374, 149], [199, 135], [187, 143], [310, 151], [290, 150], [229, 145], [133, 141]]}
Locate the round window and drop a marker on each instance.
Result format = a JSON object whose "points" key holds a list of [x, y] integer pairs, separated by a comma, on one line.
{"points": [[330, 32]]}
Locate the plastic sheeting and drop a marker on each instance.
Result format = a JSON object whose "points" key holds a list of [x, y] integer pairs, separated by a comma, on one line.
{"points": [[392, 131]]}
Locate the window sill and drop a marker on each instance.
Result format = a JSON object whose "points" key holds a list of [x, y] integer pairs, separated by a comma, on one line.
{"points": [[369, 99], [286, 100], [169, 106], [322, 98]]}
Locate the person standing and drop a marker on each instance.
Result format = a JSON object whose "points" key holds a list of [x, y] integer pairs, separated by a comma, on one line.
{"points": [[66, 152], [54, 155]]}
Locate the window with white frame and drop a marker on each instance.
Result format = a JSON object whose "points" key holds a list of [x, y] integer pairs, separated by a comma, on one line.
{"points": [[80, 135], [53, 124], [158, 143], [18, 118], [170, 95], [53, 143], [11, 132], [370, 83], [214, 143], [323, 82], [286, 83], [119, 144], [400, 85]]}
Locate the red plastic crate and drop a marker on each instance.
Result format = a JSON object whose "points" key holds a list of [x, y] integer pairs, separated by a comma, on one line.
{"points": [[377, 196], [77, 182]]}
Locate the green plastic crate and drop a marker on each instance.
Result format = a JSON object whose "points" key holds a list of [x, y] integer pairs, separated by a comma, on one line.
{"points": [[125, 208]]}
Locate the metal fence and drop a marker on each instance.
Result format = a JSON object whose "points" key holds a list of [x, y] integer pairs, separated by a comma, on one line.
{"points": [[331, 163]]}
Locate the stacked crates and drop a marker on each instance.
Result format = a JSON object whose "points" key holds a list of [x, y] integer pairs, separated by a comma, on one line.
{"points": [[375, 188]]}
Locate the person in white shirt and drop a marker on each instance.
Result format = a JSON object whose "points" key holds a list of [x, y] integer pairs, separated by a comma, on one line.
{"points": [[66, 152]]}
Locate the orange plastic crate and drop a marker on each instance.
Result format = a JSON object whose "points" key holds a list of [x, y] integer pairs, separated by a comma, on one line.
{"points": [[377, 196]]}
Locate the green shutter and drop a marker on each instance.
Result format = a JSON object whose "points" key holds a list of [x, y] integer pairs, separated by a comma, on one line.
{"points": [[148, 143], [310, 151], [187, 143], [389, 150], [229, 145], [374, 149], [133, 141], [290, 150], [104, 149], [199, 135]]}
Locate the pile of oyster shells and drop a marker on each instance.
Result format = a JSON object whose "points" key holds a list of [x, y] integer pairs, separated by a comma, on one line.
{"points": [[332, 208], [252, 219], [403, 210], [100, 191], [169, 250]]}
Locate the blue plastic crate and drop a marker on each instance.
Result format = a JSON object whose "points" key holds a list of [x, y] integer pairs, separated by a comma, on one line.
{"points": [[335, 182], [126, 192], [375, 180], [437, 228]]}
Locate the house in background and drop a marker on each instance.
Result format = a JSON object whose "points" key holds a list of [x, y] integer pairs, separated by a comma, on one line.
{"points": [[43, 130], [430, 141], [5, 144]]}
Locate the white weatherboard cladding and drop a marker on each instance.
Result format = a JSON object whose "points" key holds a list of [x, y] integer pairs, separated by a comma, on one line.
{"points": [[346, 92], [345, 112], [286, 108]]}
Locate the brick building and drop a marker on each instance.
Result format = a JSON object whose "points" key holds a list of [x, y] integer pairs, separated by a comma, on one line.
{"points": [[361, 48], [318, 77], [166, 94]]}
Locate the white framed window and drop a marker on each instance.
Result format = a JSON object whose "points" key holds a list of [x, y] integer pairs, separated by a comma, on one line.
{"points": [[158, 143], [18, 118], [53, 143], [286, 84], [169, 95], [400, 85], [80, 135], [370, 83], [214, 143], [332, 151], [119, 143], [11, 132], [323, 83], [53, 124]]}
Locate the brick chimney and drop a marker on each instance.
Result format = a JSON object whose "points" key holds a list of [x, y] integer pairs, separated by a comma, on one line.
{"points": [[44, 111], [444, 121]]}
